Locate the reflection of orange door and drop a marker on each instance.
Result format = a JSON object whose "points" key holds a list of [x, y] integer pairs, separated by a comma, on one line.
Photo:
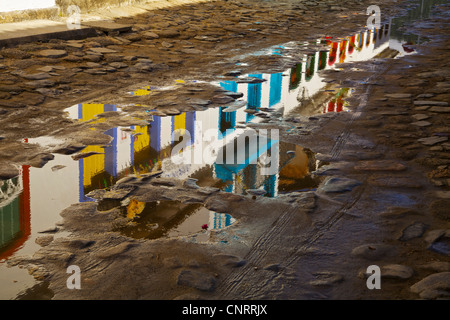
{"points": [[333, 53], [342, 49], [24, 218]]}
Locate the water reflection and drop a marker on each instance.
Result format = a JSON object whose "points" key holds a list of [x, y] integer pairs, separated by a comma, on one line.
{"points": [[147, 148], [151, 150], [172, 219], [33, 201]]}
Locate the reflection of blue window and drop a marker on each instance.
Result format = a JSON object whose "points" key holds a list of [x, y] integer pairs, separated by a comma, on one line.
{"points": [[275, 88], [269, 185], [190, 126], [111, 153], [253, 96], [254, 93], [155, 133], [221, 220], [80, 111], [82, 197], [229, 85], [227, 120], [132, 148], [277, 50]]}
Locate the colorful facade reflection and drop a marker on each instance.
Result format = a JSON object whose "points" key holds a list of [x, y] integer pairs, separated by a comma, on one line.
{"points": [[146, 148]]}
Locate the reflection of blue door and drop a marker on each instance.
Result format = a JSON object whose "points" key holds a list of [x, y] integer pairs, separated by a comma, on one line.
{"points": [[275, 89], [229, 85], [269, 185], [155, 133], [254, 93], [226, 172], [111, 151], [227, 120]]}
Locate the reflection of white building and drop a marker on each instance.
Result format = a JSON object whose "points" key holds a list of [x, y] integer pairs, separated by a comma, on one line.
{"points": [[8, 5]]}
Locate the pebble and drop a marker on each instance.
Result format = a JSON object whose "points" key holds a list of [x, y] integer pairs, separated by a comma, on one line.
{"points": [[437, 266], [326, 278], [102, 50], [430, 141], [51, 53], [229, 260], [430, 103], [420, 116], [422, 123], [336, 184], [36, 76], [434, 286], [118, 65], [222, 99], [49, 230], [168, 33], [440, 109], [399, 95], [114, 251], [415, 230], [44, 240], [256, 192], [374, 251], [396, 271], [379, 165]]}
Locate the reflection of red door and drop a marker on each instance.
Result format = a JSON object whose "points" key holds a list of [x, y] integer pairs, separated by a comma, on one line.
{"points": [[339, 105], [24, 216], [351, 45], [330, 106]]}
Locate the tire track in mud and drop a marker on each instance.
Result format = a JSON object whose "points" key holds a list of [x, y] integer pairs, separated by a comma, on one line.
{"points": [[233, 286]]}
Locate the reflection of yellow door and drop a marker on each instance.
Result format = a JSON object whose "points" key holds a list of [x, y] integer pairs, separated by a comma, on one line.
{"points": [[90, 110], [93, 165], [142, 140], [179, 123], [96, 163]]}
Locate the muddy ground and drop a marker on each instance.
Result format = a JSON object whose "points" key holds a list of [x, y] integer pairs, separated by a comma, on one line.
{"points": [[385, 193]]}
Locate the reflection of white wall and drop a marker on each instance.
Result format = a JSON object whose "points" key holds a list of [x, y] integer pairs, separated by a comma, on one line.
{"points": [[397, 45], [123, 149], [10, 5], [52, 191]]}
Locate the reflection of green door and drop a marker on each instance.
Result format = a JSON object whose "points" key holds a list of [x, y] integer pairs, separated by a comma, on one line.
{"points": [[9, 222], [322, 60], [296, 76], [310, 63]]}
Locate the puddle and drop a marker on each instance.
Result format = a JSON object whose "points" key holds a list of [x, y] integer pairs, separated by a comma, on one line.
{"points": [[172, 219], [32, 202]]}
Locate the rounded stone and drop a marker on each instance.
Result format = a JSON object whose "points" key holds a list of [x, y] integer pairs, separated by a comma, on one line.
{"points": [[52, 53]]}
